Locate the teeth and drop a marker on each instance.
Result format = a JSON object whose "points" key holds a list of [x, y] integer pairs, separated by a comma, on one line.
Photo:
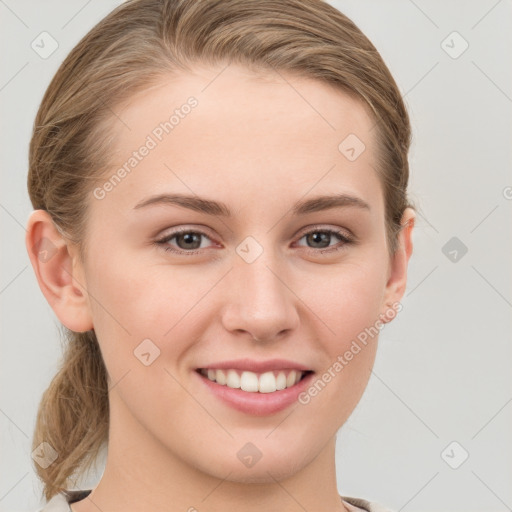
{"points": [[290, 380], [281, 380], [267, 382], [219, 376], [249, 382], [233, 380]]}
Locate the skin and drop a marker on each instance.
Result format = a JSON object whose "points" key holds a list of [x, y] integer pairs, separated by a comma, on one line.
{"points": [[256, 144]]}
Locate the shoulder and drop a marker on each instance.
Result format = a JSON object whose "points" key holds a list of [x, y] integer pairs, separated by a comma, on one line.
{"points": [[60, 502], [360, 504]]}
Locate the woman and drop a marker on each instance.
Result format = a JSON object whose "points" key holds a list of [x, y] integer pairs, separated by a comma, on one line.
{"points": [[221, 225]]}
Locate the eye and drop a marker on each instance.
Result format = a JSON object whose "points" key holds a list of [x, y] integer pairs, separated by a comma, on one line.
{"points": [[321, 238], [188, 241]]}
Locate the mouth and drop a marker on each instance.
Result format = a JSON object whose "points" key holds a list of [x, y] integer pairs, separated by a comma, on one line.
{"points": [[255, 387], [255, 382], [255, 393]]}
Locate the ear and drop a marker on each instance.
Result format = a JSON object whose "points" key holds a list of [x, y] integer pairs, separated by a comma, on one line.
{"points": [[397, 275], [59, 272]]}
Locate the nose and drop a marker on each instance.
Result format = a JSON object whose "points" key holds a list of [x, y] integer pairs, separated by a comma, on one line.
{"points": [[260, 302]]}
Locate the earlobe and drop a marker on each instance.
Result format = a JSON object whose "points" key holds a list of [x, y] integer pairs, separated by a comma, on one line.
{"points": [[397, 280], [58, 272]]}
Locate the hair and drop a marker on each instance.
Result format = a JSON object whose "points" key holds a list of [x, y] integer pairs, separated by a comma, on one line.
{"points": [[132, 48]]}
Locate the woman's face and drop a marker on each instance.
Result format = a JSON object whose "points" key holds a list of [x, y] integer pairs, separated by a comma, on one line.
{"points": [[266, 272]]}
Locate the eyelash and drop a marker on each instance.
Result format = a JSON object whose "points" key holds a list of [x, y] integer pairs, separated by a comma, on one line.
{"points": [[163, 241]]}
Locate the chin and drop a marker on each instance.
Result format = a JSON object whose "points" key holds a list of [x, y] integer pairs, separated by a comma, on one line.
{"points": [[261, 473], [266, 470]]}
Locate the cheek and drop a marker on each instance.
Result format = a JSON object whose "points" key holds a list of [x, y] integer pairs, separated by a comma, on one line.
{"points": [[132, 303], [347, 310], [136, 295], [348, 299], [124, 308]]}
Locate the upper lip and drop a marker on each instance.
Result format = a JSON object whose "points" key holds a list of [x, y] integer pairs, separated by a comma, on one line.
{"points": [[257, 366]]}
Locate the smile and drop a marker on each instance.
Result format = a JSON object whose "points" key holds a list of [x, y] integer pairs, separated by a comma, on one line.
{"points": [[252, 382]]}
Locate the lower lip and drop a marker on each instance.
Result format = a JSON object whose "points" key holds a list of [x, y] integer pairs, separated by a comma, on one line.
{"points": [[255, 403]]}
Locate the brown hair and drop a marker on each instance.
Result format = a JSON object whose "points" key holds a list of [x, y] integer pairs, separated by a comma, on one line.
{"points": [[136, 44]]}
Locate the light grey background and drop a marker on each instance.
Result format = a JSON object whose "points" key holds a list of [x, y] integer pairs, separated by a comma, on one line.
{"points": [[442, 372]]}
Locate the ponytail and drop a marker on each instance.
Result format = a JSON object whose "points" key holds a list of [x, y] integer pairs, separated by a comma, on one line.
{"points": [[73, 415]]}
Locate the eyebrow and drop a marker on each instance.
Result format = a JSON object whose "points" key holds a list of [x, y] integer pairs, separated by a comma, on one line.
{"points": [[216, 208]]}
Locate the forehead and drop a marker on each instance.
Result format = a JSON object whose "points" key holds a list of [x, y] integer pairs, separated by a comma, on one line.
{"points": [[217, 131]]}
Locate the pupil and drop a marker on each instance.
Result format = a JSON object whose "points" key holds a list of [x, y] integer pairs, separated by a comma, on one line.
{"points": [[189, 238], [317, 238]]}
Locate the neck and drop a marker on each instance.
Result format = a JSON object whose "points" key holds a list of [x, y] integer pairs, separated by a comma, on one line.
{"points": [[141, 474]]}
